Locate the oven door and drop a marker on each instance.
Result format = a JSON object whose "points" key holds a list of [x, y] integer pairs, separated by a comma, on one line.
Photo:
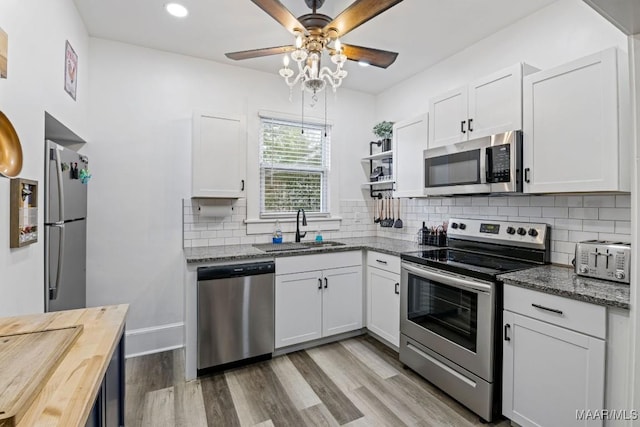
{"points": [[451, 315]]}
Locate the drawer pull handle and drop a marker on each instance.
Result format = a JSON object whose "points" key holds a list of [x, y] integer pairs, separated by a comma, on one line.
{"points": [[506, 329], [381, 261], [319, 283], [553, 310], [326, 283], [397, 290]]}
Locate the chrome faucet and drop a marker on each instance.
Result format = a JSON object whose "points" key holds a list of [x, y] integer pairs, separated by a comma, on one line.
{"points": [[304, 222]]}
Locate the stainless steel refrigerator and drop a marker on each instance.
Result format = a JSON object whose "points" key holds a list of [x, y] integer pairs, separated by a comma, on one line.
{"points": [[65, 228]]}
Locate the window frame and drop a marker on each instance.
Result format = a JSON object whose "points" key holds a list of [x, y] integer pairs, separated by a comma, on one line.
{"points": [[324, 170]]}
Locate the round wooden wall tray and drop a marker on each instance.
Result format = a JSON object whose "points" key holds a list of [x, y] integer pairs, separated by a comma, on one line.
{"points": [[10, 149]]}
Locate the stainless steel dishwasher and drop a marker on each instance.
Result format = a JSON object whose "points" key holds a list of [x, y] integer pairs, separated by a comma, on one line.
{"points": [[235, 312]]}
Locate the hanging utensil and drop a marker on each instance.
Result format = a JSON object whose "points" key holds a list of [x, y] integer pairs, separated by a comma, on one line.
{"points": [[398, 223], [375, 211], [10, 149]]}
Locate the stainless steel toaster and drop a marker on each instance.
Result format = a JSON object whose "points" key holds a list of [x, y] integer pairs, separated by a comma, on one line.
{"points": [[603, 260]]}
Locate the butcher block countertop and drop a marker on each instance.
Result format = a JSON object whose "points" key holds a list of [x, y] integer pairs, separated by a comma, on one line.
{"points": [[69, 393]]}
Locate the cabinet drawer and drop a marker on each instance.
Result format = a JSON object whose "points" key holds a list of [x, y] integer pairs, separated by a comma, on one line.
{"points": [[311, 262], [382, 261], [579, 316]]}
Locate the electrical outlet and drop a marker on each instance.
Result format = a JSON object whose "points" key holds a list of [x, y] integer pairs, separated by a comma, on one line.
{"points": [[357, 217]]}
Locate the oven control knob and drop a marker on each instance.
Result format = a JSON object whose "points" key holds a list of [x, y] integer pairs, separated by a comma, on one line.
{"points": [[619, 275], [522, 231], [454, 225], [511, 230], [463, 226], [533, 232]]}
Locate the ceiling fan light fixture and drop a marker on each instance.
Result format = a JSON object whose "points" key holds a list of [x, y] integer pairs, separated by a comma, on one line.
{"points": [[176, 9]]}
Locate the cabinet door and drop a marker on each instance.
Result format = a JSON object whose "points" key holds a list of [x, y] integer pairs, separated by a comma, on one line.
{"points": [[571, 140], [447, 113], [409, 141], [549, 373], [219, 156], [298, 308], [342, 300], [383, 304], [495, 103]]}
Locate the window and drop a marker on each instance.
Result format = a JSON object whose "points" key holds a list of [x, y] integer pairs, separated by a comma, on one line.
{"points": [[294, 167]]}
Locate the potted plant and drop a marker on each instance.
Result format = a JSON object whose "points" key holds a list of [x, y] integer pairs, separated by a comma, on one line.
{"points": [[384, 131]]}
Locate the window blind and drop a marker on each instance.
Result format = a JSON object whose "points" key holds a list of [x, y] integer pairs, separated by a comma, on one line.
{"points": [[294, 167]]}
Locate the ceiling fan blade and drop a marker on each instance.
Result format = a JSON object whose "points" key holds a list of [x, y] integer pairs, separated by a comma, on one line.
{"points": [[257, 53], [375, 57], [277, 11], [357, 14]]}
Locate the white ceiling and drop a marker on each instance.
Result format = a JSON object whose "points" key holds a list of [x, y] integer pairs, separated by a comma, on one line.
{"points": [[423, 32]]}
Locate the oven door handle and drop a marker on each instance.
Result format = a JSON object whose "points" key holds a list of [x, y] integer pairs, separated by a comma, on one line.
{"points": [[455, 281]]}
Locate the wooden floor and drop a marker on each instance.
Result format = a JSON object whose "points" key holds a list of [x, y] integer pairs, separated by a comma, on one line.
{"points": [[356, 382]]}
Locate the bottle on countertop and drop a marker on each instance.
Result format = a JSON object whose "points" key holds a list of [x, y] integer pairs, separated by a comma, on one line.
{"points": [[277, 233], [318, 236]]}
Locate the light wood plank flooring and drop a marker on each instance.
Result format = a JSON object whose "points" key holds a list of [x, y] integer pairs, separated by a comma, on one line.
{"points": [[356, 382]]}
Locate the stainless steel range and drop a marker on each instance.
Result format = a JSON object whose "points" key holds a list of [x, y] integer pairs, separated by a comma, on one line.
{"points": [[451, 306]]}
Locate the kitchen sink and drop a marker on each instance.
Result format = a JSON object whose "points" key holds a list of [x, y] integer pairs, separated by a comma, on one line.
{"points": [[294, 246], [323, 244]]}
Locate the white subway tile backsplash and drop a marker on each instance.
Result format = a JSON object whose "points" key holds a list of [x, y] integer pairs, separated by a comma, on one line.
{"points": [[542, 201], [568, 224], [519, 201], [598, 226], [623, 227], [530, 211], [572, 219], [579, 236], [620, 214], [561, 212], [583, 213], [498, 201], [623, 201], [599, 201]]}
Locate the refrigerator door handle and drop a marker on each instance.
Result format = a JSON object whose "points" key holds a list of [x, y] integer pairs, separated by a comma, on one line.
{"points": [[53, 290], [60, 185]]}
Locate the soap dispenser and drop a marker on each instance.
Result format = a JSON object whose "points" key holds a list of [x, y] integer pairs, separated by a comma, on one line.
{"points": [[318, 236], [277, 233]]}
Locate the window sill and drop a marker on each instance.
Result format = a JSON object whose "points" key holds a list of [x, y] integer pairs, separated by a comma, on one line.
{"points": [[288, 225]]}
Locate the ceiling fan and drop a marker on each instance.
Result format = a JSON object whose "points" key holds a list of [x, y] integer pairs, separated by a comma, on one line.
{"points": [[316, 32]]}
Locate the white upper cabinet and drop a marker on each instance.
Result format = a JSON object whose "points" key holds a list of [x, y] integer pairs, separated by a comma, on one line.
{"points": [[447, 118], [576, 126], [218, 156], [486, 106], [409, 140]]}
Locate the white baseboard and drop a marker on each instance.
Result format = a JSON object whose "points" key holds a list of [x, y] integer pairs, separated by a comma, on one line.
{"points": [[155, 339]]}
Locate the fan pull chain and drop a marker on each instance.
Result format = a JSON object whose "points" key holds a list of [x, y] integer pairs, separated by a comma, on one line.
{"points": [[302, 124], [325, 113]]}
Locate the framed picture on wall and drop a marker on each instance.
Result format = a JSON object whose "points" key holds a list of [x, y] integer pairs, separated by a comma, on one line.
{"points": [[70, 71], [4, 44]]}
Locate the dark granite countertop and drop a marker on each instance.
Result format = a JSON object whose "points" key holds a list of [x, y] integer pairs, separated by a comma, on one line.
{"points": [[243, 252], [562, 281]]}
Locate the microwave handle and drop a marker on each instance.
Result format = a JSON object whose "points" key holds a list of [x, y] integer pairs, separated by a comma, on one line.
{"points": [[489, 164]]}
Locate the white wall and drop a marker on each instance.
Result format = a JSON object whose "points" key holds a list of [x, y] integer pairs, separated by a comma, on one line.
{"points": [[37, 32], [558, 33], [141, 108]]}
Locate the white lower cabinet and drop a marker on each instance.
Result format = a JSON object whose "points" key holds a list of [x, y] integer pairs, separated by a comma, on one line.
{"points": [[318, 303], [383, 304], [551, 374], [383, 296]]}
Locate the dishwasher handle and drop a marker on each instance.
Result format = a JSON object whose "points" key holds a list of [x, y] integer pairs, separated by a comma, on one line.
{"points": [[236, 270]]}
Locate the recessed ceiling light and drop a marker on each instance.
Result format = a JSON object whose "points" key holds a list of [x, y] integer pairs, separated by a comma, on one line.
{"points": [[363, 63], [176, 9]]}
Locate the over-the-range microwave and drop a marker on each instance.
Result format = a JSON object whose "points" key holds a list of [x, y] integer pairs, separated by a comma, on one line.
{"points": [[492, 164]]}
